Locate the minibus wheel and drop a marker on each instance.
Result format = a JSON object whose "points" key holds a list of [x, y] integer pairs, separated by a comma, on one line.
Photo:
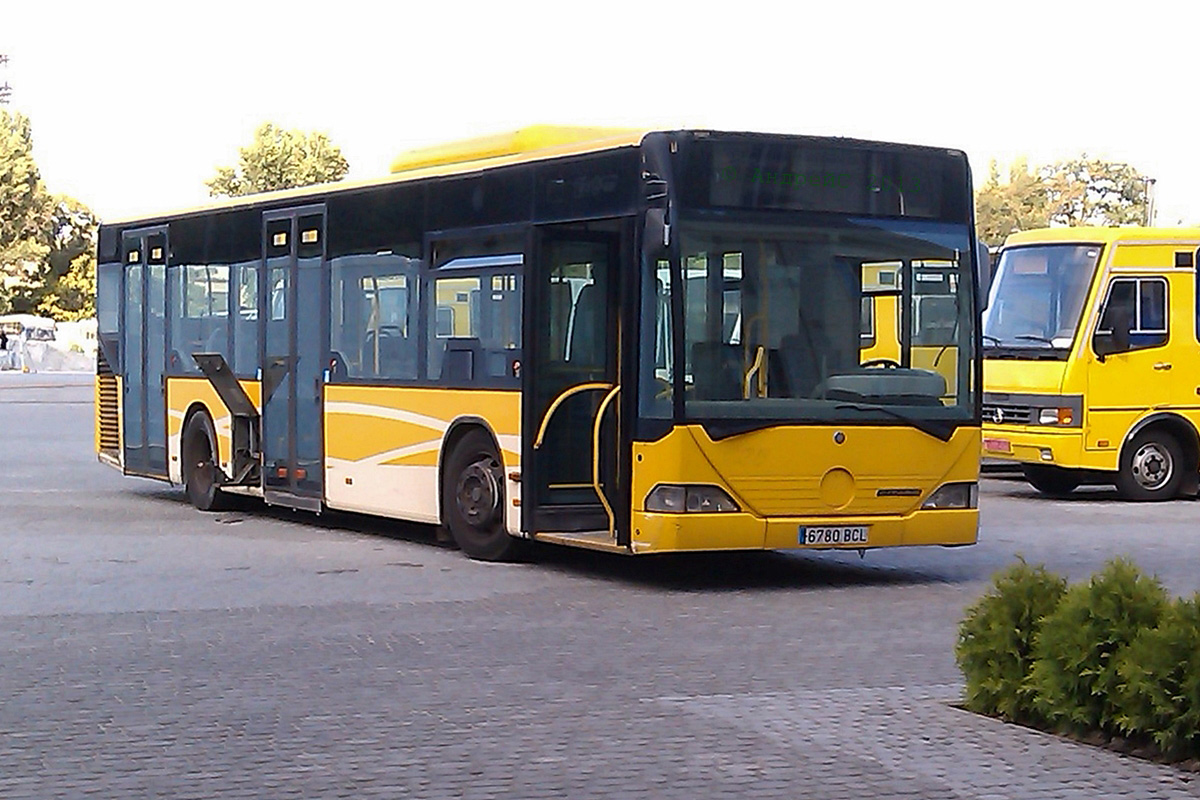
{"points": [[201, 475], [1054, 481], [473, 499], [1151, 466]]}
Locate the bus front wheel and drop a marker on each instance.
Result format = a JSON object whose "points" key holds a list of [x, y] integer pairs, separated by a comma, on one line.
{"points": [[1151, 467], [473, 499], [201, 475], [1053, 481]]}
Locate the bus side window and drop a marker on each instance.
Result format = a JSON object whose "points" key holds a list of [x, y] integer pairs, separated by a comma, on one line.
{"points": [[1134, 315]]}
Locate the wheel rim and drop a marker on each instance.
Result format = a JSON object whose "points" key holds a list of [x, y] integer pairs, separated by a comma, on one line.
{"points": [[1152, 466], [478, 494]]}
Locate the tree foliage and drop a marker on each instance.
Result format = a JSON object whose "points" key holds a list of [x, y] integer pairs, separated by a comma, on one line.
{"points": [[1089, 191], [43, 237], [280, 159], [1019, 204], [1078, 191]]}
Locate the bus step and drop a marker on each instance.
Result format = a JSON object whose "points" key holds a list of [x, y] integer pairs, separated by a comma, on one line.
{"points": [[591, 540]]}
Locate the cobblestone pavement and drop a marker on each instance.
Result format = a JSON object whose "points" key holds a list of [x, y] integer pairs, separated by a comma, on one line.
{"points": [[148, 650]]}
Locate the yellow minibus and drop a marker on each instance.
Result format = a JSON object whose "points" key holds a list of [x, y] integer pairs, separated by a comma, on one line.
{"points": [[1091, 359]]}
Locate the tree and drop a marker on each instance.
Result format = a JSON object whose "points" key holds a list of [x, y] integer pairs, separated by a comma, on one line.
{"points": [[43, 238], [280, 159], [1019, 204], [23, 208], [1088, 191], [1080, 191]]}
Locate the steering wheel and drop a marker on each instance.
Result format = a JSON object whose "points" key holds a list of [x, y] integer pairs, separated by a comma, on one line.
{"points": [[665, 388], [881, 362]]}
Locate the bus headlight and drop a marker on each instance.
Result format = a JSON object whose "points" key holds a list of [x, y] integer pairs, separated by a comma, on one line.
{"points": [[667, 498], [954, 495], [1056, 416]]}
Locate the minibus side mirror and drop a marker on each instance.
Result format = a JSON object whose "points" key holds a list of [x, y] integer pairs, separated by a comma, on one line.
{"points": [[1107, 344]]}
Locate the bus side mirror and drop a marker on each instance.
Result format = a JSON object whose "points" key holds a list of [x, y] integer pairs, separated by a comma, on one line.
{"points": [[983, 274], [1107, 344]]}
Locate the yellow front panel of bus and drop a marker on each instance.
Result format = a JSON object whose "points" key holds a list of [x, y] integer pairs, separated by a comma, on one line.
{"points": [[784, 477]]}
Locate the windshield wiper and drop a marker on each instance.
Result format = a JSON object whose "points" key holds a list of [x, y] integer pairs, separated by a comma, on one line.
{"points": [[938, 429], [1031, 337], [989, 337]]}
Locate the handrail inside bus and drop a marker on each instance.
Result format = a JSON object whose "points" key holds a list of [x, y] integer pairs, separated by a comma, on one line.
{"points": [[755, 368], [612, 520], [558, 401]]}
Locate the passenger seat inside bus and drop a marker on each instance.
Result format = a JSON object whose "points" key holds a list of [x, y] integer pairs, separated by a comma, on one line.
{"points": [[459, 360], [717, 371]]}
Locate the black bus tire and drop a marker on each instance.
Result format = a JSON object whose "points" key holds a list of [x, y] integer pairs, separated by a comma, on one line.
{"points": [[1051, 480], [1151, 467], [200, 471], [473, 499]]}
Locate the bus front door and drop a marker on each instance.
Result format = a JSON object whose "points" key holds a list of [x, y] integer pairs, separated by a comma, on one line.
{"points": [[570, 381], [294, 336]]}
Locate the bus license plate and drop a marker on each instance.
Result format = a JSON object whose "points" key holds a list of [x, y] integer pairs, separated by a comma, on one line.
{"points": [[833, 534], [997, 445]]}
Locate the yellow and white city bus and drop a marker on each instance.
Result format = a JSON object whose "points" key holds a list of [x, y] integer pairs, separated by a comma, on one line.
{"points": [[639, 342], [1090, 347]]}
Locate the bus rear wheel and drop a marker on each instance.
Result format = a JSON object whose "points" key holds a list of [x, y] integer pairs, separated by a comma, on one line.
{"points": [[473, 499], [201, 475], [1054, 481], [1151, 467]]}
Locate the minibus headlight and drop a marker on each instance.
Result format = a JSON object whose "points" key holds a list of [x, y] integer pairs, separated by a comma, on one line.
{"points": [[1056, 416], [954, 495], [666, 498]]}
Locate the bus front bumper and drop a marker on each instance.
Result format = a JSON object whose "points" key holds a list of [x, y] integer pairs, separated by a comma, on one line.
{"points": [[1026, 445], [666, 533]]}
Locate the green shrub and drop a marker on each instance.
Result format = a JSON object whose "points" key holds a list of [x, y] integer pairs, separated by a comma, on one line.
{"points": [[995, 639], [1074, 676], [1159, 691]]}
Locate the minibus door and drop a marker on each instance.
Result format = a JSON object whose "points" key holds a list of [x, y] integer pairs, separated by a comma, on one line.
{"points": [[571, 380]]}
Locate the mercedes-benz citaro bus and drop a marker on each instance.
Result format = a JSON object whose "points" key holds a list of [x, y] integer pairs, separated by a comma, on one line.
{"points": [[1089, 377], [639, 342]]}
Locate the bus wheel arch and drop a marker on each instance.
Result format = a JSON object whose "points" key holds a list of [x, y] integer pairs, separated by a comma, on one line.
{"points": [[199, 465], [471, 487], [1159, 460]]}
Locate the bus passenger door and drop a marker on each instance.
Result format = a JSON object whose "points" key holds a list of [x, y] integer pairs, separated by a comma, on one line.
{"points": [[144, 342], [294, 337], [570, 380]]}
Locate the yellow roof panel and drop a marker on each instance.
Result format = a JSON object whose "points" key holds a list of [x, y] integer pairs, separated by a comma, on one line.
{"points": [[519, 142], [1100, 234]]}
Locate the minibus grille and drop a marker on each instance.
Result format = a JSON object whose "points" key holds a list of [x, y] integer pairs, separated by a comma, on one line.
{"points": [[1008, 414]]}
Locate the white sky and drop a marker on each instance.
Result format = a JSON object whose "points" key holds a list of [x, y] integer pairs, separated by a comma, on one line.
{"points": [[135, 104]]}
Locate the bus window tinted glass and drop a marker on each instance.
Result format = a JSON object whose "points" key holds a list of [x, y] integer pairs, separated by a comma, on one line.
{"points": [[374, 298]]}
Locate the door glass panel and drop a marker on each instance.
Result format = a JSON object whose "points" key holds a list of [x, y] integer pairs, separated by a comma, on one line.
{"points": [[155, 355], [133, 411], [310, 353], [278, 382], [576, 347]]}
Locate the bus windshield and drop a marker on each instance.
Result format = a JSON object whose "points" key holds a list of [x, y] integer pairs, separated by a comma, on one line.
{"points": [[1038, 297], [773, 322]]}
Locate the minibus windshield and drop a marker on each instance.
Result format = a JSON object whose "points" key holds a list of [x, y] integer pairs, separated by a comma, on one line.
{"points": [[1038, 296]]}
